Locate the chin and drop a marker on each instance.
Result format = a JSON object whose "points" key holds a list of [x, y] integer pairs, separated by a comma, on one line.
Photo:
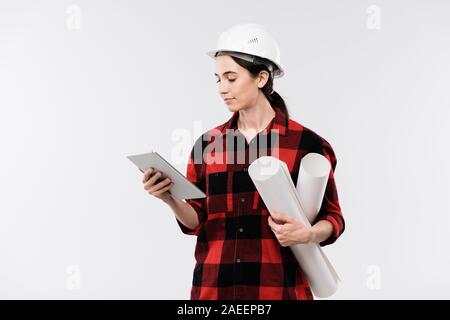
{"points": [[233, 108]]}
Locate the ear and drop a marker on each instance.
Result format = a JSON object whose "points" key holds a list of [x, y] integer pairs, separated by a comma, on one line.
{"points": [[262, 78]]}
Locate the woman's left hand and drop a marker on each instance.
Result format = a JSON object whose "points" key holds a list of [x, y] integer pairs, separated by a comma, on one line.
{"points": [[290, 231]]}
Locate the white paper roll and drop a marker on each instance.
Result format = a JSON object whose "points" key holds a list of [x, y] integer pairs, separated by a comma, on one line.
{"points": [[312, 182], [273, 182]]}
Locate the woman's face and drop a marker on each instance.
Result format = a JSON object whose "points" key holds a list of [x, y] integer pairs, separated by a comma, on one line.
{"points": [[236, 86]]}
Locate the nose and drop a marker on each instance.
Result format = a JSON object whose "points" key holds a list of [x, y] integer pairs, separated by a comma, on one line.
{"points": [[223, 88]]}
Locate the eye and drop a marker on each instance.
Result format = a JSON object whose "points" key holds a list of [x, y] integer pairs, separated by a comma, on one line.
{"points": [[231, 80]]}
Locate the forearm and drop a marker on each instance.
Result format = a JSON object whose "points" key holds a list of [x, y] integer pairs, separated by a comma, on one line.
{"points": [[184, 212], [322, 230]]}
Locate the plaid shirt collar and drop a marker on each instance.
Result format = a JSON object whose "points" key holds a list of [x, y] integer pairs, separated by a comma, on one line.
{"points": [[279, 122]]}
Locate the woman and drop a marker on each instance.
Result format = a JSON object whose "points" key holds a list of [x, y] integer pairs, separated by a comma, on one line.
{"points": [[242, 252]]}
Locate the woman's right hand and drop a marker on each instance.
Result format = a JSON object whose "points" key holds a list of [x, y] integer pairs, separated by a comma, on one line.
{"points": [[158, 189]]}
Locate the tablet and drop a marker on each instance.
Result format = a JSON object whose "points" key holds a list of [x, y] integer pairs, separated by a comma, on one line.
{"points": [[182, 187]]}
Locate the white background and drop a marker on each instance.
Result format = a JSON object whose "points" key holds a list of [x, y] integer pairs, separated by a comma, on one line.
{"points": [[75, 221]]}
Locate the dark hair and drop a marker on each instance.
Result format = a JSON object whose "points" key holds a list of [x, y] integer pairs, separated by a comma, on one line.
{"points": [[276, 101]]}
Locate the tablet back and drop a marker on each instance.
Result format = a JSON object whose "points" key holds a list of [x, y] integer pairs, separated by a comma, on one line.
{"points": [[182, 187]]}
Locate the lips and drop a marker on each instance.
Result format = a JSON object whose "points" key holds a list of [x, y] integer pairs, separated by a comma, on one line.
{"points": [[228, 99]]}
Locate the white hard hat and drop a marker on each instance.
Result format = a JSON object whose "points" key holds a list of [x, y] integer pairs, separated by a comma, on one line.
{"points": [[250, 39]]}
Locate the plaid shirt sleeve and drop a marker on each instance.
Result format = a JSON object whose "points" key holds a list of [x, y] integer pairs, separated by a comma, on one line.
{"points": [[330, 209], [195, 174]]}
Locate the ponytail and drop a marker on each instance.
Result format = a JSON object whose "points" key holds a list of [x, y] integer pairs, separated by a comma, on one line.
{"points": [[276, 101]]}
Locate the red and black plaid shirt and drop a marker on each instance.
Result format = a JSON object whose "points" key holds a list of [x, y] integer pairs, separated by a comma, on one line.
{"points": [[237, 255]]}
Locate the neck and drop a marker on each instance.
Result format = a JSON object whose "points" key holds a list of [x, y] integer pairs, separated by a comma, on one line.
{"points": [[257, 117]]}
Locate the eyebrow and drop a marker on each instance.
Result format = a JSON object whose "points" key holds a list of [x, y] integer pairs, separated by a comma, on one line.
{"points": [[227, 72]]}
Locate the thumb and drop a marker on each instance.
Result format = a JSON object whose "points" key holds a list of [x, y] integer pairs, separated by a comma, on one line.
{"points": [[279, 217]]}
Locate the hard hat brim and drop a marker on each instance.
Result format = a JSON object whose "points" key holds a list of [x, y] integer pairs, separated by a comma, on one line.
{"points": [[278, 73]]}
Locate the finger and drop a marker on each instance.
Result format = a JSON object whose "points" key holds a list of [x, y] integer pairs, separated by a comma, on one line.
{"points": [[272, 223], [161, 191], [289, 219], [159, 185], [276, 232], [284, 218], [147, 174], [152, 180], [278, 218], [275, 227], [274, 215], [281, 240]]}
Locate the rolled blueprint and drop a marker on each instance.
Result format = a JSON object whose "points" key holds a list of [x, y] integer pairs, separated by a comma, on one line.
{"points": [[273, 182], [312, 182]]}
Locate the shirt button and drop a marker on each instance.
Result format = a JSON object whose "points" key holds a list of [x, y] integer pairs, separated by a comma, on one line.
{"points": [[242, 200], [241, 229], [238, 260]]}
